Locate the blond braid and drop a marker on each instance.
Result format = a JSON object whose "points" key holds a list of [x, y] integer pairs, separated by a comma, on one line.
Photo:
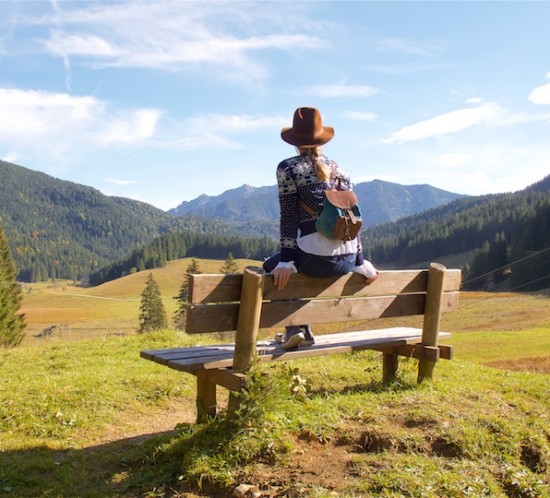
{"points": [[320, 169]]}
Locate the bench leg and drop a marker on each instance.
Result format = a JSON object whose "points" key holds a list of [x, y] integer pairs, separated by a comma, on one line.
{"points": [[390, 362], [425, 370], [206, 396]]}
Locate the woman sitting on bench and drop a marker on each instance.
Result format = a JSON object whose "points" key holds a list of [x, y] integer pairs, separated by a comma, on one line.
{"points": [[302, 181]]}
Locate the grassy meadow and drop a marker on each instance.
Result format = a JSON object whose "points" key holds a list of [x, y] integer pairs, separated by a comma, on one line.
{"points": [[81, 415], [108, 309]]}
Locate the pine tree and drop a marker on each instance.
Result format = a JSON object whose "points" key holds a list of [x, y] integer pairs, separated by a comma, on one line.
{"points": [[229, 266], [179, 316], [12, 323], [152, 312]]}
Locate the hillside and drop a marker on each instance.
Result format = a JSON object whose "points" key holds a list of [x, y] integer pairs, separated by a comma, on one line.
{"points": [[490, 232], [59, 229], [92, 419], [381, 202]]}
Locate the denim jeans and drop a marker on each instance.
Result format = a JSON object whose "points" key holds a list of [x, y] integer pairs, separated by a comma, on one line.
{"points": [[316, 266]]}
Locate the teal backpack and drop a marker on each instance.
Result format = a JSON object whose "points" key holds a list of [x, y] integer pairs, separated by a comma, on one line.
{"points": [[340, 218]]}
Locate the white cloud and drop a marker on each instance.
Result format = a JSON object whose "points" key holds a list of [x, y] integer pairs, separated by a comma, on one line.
{"points": [[64, 44], [120, 182], [130, 128], [171, 35], [11, 156], [213, 130], [360, 116], [215, 123], [409, 47], [59, 121], [454, 160], [450, 122], [541, 94], [38, 113], [334, 91]]}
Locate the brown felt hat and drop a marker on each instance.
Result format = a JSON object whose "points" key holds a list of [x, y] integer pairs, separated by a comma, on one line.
{"points": [[307, 129]]}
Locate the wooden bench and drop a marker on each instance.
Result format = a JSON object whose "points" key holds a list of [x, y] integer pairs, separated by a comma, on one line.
{"points": [[247, 302]]}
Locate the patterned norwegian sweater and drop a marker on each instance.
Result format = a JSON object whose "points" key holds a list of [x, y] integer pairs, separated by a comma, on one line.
{"points": [[296, 180]]}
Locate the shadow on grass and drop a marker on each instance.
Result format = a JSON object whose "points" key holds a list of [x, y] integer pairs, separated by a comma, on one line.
{"points": [[124, 468], [372, 387]]}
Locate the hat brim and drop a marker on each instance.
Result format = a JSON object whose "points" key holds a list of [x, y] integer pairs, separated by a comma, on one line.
{"points": [[290, 136]]}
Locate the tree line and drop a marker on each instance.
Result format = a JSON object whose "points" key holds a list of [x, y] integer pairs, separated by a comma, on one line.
{"points": [[178, 245], [61, 230], [12, 323], [500, 229]]}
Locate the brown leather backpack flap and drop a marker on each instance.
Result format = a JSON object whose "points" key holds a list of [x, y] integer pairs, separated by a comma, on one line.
{"points": [[344, 199]]}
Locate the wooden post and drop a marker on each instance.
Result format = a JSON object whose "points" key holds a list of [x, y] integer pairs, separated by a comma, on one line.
{"points": [[390, 362], [206, 396], [248, 323], [432, 317]]}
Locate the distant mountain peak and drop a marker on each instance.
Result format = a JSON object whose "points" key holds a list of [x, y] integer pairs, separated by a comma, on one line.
{"points": [[381, 202]]}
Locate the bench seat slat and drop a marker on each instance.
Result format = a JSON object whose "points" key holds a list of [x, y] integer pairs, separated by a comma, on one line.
{"points": [[221, 356], [203, 318], [190, 352]]}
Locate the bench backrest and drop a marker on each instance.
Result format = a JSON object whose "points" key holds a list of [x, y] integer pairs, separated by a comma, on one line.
{"points": [[215, 299]]}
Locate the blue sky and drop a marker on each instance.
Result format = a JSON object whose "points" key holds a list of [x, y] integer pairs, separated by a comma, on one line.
{"points": [[162, 101]]}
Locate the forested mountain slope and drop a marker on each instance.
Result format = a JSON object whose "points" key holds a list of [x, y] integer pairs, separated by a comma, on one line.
{"points": [[59, 229], [503, 228]]}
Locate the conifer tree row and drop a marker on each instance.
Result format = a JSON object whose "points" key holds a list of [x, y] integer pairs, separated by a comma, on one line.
{"points": [[12, 323], [178, 245]]}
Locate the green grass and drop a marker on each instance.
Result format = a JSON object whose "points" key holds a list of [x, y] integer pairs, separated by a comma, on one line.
{"points": [[475, 431], [108, 309], [89, 418]]}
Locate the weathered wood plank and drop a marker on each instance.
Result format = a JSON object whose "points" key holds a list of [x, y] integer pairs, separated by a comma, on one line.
{"points": [[221, 350], [216, 288], [188, 352], [234, 381], [281, 355], [432, 317], [248, 324], [248, 319], [203, 318], [416, 351], [379, 340], [390, 363], [206, 395]]}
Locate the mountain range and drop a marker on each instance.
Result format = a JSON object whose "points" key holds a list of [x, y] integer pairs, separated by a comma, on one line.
{"points": [[381, 202], [60, 229]]}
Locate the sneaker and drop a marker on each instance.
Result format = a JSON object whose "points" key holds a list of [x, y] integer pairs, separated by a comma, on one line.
{"points": [[292, 338], [309, 339]]}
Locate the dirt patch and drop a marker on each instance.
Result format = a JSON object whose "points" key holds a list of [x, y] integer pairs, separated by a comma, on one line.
{"points": [[532, 458], [446, 449], [314, 466], [536, 364], [148, 425], [374, 442]]}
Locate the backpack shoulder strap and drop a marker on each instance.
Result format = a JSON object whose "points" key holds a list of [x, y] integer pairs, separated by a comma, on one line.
{"points": [[306, 208]]}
